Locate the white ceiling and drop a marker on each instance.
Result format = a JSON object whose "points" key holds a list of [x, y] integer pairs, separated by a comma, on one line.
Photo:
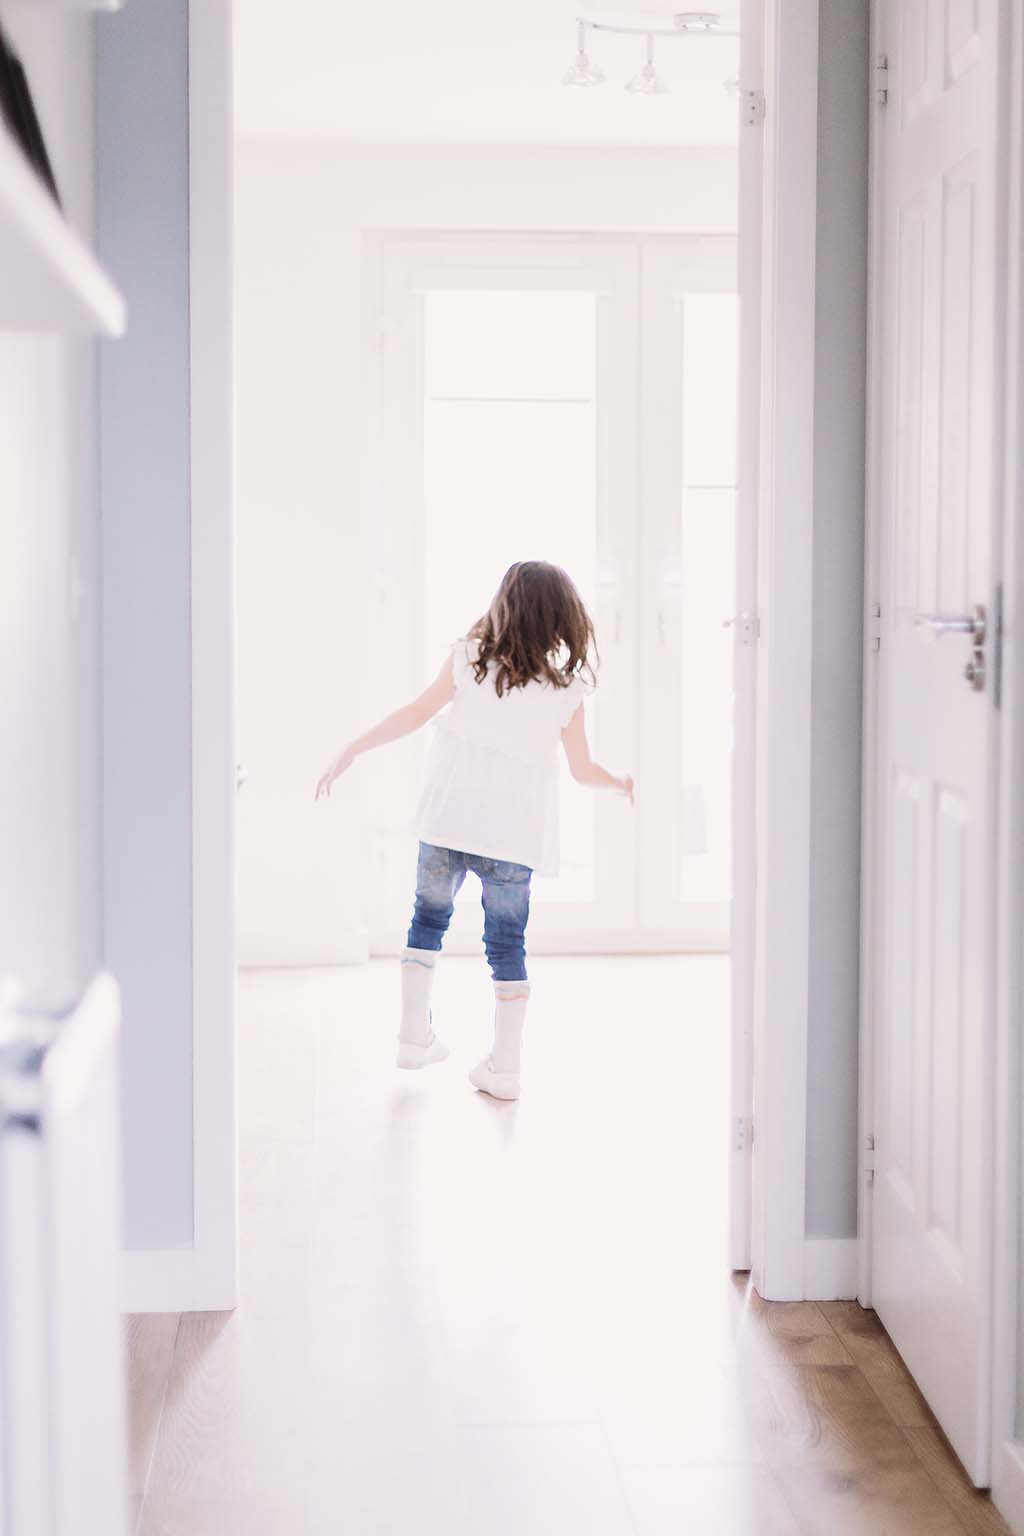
{"points": [[468, 71]]}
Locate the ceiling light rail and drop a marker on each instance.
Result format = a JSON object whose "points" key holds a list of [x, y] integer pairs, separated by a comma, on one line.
{"points": [[583, 72]]}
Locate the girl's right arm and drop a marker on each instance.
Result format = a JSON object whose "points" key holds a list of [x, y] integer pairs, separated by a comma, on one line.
{"points": [[582, 766], [402, 722]]}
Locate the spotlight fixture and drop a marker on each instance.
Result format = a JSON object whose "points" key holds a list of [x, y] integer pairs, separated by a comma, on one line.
{"points": [[582, 72], [646, 82], [698, 21]]}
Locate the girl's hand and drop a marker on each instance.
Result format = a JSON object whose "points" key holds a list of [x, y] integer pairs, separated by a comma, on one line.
{"points": [[342, 762], [627, 787]]}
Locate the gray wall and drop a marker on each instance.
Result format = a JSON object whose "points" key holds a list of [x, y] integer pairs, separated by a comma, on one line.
{"points": [[49, 920], [142, 226], [839, 411]]}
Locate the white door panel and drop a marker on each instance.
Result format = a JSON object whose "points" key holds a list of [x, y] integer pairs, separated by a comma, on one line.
{"points": [[932, 1193]]}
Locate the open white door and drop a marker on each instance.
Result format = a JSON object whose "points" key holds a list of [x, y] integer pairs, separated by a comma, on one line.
{"points": [[938, 681]]}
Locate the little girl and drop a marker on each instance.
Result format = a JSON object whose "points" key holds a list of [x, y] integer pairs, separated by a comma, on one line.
{"points": [[515, 687]]}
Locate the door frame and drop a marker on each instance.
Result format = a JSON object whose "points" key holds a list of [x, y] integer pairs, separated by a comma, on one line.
{"points": [[778, 158], [743, 917], [869, 732], [1008, 567], [214, 1278], [1008, 1308], [784, 1266]]}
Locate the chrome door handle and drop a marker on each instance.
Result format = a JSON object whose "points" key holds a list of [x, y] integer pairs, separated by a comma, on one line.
{"points": [[974, 624]]}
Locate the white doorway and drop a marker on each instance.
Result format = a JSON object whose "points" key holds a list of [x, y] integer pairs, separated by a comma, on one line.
{"points": [[570, 398]]}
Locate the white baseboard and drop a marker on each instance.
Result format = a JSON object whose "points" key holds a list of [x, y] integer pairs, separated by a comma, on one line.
{"points": [[1008, 1484], [830, 1268], [176, 1280]]}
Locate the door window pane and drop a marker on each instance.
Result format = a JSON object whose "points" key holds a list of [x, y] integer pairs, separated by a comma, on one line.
{"points": [[509, 473], [710, 341], [703, 841], [525, 345]]}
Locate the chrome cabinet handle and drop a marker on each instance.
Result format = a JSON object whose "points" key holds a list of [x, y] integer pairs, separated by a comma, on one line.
{"points": [[974, 624]]}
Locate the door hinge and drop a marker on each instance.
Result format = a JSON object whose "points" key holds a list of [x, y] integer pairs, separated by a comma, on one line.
{"points": [[875, 626], [881, 79], [753, 107], [747, 626], [744, 1134], [869, 1159]]}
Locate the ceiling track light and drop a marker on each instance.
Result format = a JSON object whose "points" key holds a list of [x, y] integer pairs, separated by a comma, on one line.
{"points": [[582, 72], [646, 82]]}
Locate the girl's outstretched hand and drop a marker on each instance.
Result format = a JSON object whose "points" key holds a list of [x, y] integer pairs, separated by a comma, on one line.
{"points": [[343, 761], [627, 787]]}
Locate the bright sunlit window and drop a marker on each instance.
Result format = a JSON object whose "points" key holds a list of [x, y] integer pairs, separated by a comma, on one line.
{"points": [[509, 451]]}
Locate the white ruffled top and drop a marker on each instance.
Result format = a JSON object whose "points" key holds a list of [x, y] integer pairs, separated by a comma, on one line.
{"points": [[491, 783]]}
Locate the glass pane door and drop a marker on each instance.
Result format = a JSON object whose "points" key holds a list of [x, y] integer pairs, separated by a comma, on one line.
{"points": [[575, 401], [510, 473], [689, 414], [708, 518], [514, 363]]}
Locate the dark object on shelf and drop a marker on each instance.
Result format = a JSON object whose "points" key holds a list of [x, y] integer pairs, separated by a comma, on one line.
{"points": [[19, 114]]}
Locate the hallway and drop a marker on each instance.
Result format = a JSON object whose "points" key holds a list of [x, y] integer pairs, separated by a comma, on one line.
{"points": [[460, 1316]]}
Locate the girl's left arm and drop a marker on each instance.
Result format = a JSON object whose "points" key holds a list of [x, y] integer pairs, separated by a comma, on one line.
{"points": [[411, 717]]}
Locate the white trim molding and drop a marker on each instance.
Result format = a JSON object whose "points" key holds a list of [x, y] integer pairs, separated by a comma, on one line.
{"points": [[869, 665], [192, 1279], [1008, 1276], [1008, 1483], [211, 292], [786, 495], [830, 1268], [743, 926]]}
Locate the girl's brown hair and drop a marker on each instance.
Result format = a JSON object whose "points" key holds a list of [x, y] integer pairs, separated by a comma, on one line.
{"points": [[535, 629]]}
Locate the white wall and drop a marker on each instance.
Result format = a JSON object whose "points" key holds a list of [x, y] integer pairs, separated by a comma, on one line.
{"points": [[302, 215], [49, 910], [143, 236], [837, 624]]}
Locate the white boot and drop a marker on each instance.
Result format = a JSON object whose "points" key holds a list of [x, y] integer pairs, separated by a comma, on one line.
{"points": [[498, 1074], [418, 1046]]}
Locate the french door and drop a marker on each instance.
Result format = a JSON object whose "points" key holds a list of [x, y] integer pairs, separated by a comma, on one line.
{"points": [[569, 399], [932, 1190]]}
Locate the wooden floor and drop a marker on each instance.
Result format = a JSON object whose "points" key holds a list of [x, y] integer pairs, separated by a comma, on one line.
{"points": [[478, 1319]]}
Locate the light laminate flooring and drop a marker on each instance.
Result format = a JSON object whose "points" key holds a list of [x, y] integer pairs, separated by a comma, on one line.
{"points": [[465, 1318]]}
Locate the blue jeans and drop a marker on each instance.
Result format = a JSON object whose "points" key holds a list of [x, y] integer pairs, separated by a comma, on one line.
{"points": [[505, 897]]}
